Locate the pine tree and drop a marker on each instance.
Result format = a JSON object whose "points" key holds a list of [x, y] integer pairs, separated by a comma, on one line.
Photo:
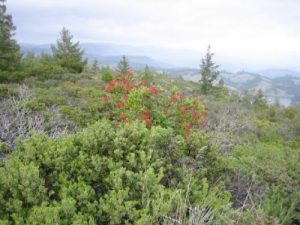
{"points": [[9, 49], [123, 66], [208, 71], [68, 54]]}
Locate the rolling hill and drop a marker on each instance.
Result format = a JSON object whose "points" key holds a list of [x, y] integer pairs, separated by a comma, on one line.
{"points": [[284, 88]]}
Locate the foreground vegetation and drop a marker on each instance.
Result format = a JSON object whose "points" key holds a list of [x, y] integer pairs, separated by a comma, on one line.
{"points": [[145, 153], [81, 144]]}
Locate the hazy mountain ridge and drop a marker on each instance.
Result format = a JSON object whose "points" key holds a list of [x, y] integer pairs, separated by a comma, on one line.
{"points": [[278, 73], [107, 53], [275, 83], [284, 87]]}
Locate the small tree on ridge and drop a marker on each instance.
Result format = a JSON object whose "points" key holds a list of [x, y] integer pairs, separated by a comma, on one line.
{"points": [[208, 71]]}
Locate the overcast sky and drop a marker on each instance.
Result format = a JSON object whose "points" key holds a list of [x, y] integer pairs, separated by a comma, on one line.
{"points": [[261, 33]]}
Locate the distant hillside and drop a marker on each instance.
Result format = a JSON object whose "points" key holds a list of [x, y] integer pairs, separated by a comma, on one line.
{"points": [[286, 88], [36, 49], [136, 62], [106, 53], [273, 73]]}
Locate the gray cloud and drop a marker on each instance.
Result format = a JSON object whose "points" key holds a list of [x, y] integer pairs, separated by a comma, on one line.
{"points": [[261, 33]]}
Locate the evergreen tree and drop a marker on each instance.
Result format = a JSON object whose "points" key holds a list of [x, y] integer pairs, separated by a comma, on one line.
{"points": [[208, 71], [123, 66], [68, 54], [9, 49]]}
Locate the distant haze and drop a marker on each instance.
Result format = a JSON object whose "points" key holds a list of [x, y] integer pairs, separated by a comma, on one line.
{"points": [[244, 34]]}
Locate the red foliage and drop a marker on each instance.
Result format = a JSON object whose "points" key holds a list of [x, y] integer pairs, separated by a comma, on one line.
{"points": [[148, 122], [187, 130], [153, 90], [122, 116], [182, 108], [111, 85], [177, 97], [144, 83], [180, 96], [148, 112], [120, 104], [188, 126], [129, 86], [122, 82], [195, 115], [174, 99]]}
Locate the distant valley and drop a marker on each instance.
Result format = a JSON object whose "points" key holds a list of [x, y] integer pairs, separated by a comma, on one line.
{"points": [[285, 88]]}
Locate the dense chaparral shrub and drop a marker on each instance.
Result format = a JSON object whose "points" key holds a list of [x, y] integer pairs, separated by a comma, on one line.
{"points": [[105, 175]]}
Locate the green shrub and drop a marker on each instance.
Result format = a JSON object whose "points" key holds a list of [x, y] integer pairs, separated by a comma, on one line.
{"points": [[14, 76], [107, 75], [43, 67], [277, 168], [105, 175]]}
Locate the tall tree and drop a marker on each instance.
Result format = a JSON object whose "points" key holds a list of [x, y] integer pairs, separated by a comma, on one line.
{"points": [[123, 66], [208, 71], [67, 53], [9, 49]]}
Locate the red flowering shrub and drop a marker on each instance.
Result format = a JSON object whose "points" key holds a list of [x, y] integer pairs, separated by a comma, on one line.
{"points": [[154, 106], [122, 83]]}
